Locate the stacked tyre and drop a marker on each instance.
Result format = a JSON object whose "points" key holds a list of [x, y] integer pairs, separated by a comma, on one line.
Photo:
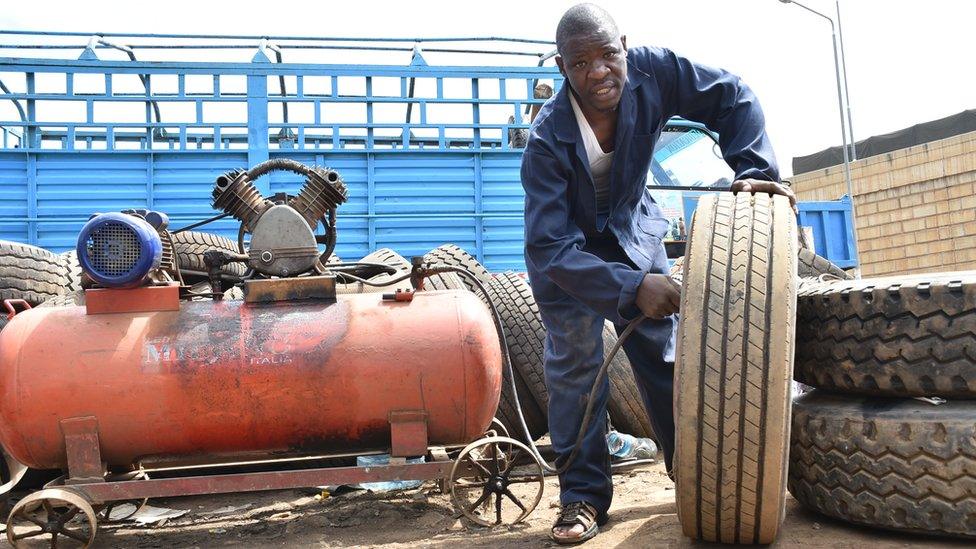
{"points": [[888, 438]]}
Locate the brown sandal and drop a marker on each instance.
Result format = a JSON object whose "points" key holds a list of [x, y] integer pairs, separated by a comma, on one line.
{"points": [[577, 512]]}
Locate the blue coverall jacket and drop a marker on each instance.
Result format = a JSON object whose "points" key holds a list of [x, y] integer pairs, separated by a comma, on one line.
{"points": [[584, 267]]}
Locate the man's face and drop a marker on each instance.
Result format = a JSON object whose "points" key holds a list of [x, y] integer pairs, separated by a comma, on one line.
{"points": [[595, 64]]}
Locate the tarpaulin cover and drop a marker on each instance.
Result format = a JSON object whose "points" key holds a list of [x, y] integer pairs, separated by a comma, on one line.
{"points": [[902, 139]]}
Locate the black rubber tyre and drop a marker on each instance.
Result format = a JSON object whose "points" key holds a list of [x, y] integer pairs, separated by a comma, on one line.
{"points": [[454, 256], [626, 407], [385, 256], [29, 273], [70, 299], [72, 271], [189, 247], [811, 265], [900, 464], [899, 336], [733, 368], [526, 339], [445, 281]]}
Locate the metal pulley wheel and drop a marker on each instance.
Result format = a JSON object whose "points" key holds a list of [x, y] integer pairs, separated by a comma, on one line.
{"points": [[486, 487], [54, 517]]}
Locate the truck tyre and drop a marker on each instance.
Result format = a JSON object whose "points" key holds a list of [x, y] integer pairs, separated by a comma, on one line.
{"points": [[811, 265], [626, 407], [384, 256], [72, 271], [525, 336], [29, 273], [898, 336], [189, 247], [900, 464], [733, 368], [454, 256], [70, 299]]}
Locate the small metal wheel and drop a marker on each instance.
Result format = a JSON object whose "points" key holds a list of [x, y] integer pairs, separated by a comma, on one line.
{"points": [[116, 511], [62, 515], [497, 428], [486, 487]]}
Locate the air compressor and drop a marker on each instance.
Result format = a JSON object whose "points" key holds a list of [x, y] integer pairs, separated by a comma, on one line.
{"points": [[143, 375]]}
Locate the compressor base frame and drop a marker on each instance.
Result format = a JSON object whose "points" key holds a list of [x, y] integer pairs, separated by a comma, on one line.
{"points": [[88, 485]]}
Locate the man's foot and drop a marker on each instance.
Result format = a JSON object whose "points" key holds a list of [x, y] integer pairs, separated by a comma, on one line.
{"points": [[578, 521]]}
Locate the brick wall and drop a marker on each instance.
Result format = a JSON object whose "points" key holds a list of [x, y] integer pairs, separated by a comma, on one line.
{"points": [[915, 207]]}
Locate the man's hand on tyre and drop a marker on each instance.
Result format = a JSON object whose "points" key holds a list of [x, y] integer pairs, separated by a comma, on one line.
{"points": [[768, 187], [658, 296]]}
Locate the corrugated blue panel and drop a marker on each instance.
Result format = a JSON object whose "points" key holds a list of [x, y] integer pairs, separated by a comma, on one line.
{"points": [[425, 184], [70, 188], [13, 185], [183, 183], [417, 236], [505, 244], [419, 201]]}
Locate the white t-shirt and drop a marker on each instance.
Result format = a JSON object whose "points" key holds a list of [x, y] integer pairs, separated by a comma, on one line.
{"points": [[600, 162]]}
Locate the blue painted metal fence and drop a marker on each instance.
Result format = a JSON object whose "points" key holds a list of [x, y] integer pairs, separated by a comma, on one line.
{"points": [[424, 149]]}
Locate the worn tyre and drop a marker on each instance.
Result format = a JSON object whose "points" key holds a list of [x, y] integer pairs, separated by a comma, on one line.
{"points": [[525, 336], [454, 256], [72, 271], [733, 368], [189, 247], [900, 464], [29, 273], [625, 406], [385, 256], [811, 265], [898, 336], [70, 299]]}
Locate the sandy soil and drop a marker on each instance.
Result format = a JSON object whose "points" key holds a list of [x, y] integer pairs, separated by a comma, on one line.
{"points": [[643, 515]]}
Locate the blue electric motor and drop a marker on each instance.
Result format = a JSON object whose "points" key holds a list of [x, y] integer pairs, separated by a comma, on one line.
{"points": [[118, 250]]}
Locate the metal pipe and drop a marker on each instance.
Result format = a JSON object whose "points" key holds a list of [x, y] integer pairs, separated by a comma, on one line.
{"points": [[847, 95], [280, 38], [843, 127]]}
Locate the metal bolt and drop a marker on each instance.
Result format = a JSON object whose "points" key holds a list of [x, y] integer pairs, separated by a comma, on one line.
{"points": [[267, 256]]}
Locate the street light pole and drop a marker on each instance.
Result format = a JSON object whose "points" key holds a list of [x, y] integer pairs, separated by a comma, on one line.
{"points": [[847, 94], [840, 107]]}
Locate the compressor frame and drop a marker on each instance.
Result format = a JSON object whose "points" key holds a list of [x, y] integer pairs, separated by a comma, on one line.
{"points": [[482, 469]]}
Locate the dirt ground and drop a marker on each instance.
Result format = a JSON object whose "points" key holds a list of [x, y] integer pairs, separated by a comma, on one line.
{"points": [[643, 515]]}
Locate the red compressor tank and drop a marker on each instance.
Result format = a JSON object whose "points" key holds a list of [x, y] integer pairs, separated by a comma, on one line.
{"points": [[230, 379]]}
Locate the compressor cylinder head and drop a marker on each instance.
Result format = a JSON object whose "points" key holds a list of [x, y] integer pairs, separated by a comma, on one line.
{"points": [[324, 190], [117, 250], [235, 194]]}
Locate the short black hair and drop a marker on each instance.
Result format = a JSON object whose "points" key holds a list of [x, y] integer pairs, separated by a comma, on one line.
{"points": [[581, 19]]}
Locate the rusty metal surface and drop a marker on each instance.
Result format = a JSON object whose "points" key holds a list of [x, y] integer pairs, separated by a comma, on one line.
{"points": [[133, 300], [408, 433], [255, 482], [290, 289], [81, 449], [228, 378]]}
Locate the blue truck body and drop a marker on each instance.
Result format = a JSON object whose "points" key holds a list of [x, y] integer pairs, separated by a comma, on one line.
{"points": [[426, 149]]}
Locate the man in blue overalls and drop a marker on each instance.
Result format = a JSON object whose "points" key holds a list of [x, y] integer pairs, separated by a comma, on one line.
{"points": [[593, 234]]}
